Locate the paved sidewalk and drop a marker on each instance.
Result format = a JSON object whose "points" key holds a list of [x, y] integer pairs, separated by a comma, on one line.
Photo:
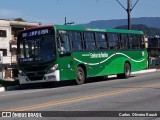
{"points": [[138, 72], [144, 71], [133, 73]]}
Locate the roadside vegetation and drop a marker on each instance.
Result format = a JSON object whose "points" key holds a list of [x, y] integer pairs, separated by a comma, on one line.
{"points": [[149, 31]]}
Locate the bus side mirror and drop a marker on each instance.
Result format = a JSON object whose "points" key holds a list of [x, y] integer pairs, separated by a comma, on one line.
{"points": [[64, 53]]}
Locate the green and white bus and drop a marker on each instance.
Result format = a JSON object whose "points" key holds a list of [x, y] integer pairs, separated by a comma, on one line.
{"points": [[62, 52]]}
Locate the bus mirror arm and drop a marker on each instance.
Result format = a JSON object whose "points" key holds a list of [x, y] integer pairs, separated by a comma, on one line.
{"points": [[64, 53]]}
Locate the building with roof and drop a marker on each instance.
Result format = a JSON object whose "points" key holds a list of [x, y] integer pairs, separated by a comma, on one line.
{"points": [[8, 45]]}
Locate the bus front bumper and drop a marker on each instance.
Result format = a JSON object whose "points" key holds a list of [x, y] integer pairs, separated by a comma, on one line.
{"points": [[55, 76]]}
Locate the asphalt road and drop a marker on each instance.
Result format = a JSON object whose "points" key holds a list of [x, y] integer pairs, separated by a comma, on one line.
{"points": [[138, 93]]}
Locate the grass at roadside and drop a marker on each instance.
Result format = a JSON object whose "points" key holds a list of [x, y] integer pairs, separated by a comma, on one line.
{"points": [[8, 83]]}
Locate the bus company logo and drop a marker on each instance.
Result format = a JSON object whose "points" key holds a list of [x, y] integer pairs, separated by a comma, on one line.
{"points": [[99, 55]]}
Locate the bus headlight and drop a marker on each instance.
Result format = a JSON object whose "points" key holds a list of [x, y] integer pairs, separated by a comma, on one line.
{"points": [[21, 73], [52, 69]]}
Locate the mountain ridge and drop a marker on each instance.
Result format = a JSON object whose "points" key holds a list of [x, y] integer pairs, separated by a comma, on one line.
{"points": [[153, 22]]}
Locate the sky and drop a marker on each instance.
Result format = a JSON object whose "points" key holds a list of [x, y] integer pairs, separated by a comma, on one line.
{"points": [[77, 11]]}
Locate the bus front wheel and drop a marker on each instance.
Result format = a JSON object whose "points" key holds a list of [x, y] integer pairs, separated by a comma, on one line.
{"points": [[80, 76], [127, 71]]}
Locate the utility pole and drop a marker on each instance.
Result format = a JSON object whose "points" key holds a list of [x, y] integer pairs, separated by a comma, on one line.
{"points": [[67, 23], [128, 9], [129, 14]]}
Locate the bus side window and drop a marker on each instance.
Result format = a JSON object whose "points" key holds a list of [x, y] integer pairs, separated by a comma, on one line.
{"points": [[142, 42], [64, 43], [135, 41], [113, 40], [76, 40], [89, 41], [101, 41], [130, 43], [124, 41]]}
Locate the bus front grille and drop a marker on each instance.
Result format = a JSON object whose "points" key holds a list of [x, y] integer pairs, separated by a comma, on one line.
{"points": [[36, 78], [36, 75], [35, 72], [40, 73]]}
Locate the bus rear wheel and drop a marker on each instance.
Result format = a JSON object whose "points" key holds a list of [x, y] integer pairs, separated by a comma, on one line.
{"points": [[127, 71], [80, 76]]}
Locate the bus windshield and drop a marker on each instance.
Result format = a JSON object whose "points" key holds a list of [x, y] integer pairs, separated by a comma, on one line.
{"points": [[36, 47]]}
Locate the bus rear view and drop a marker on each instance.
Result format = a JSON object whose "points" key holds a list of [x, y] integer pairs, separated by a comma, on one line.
{"points": [[36, 55]]}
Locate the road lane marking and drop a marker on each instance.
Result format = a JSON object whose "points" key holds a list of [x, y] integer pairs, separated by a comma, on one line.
{"points": [[81, 98]]}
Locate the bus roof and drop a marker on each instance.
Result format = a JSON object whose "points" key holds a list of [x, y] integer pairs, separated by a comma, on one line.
{"points": [[80, 28], [37, 27]]}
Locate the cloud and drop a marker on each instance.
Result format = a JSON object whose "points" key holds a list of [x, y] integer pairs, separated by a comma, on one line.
{"points": [[9, 13]]}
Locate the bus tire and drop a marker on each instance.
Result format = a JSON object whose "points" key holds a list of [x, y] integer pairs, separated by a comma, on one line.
{"points": [[127, 71], [80, 76]]}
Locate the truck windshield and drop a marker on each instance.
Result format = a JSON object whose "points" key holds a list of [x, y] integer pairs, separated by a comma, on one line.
{"points": [[36, 48]]}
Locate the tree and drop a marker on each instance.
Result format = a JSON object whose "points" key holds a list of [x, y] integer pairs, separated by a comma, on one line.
{"points": [[19, 19], [149, 31]]}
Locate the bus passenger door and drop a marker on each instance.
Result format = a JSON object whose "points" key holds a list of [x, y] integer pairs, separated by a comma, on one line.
{"points": [[64, 49]]}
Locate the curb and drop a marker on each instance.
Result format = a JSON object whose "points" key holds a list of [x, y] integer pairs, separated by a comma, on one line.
{"points": [[2, 89], [144, 71], [8, 88]]}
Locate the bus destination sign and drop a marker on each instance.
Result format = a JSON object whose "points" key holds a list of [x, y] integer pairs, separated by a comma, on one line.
{"points": [[35, 33]]}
